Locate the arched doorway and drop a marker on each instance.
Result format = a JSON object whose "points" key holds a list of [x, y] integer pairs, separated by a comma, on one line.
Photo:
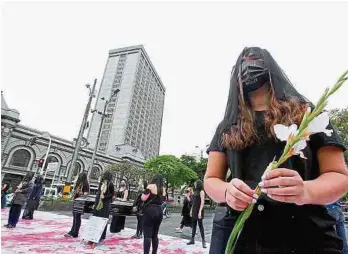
{"points": [[20, 158]]}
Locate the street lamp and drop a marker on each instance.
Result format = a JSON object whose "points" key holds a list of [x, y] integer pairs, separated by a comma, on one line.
{"points": [[103, 115], [43, 135], [81, 131]]}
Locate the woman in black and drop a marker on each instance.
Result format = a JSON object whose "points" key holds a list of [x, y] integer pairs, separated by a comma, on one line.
{"points": [[290, 216], [197, 212], [81, 188], [34, 199], [117, 222], [153, 215], [106, 198], [186, 220], [138, 204], [21, 196]]}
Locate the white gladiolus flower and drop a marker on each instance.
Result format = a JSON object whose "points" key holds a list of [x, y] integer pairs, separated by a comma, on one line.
{"points": [[284, 132], [319, 124]]}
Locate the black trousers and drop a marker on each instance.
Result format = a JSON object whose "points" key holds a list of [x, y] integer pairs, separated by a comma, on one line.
{"points": [[152, 220], [14, 214], [76, 224], [139, 225], [194, 227]]}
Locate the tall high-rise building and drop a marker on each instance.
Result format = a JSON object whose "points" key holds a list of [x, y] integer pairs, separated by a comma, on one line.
{"points": [[135, 114]]}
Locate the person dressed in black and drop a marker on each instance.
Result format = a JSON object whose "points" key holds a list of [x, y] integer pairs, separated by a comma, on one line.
{"points": [[21, 196], [289, 216], [34, 199], [186, 220], [81, 188], [138, 204], [4, 189], [153, 215], [197, 212], [117, 222], [105, 193]]}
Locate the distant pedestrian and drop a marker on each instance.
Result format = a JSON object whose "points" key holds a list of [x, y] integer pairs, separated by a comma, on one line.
{"points": [[34, 199], [197, 212], [139, 204], [153, 215], [118, 222], [186, 220], [106, 191], [81, 188], [21, 196]]}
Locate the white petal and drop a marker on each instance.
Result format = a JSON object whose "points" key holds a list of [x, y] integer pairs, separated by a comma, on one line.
{"points": [[302, 155], [319, 123], [300, 145], [328, 132], [283, 132], [309, 109]]}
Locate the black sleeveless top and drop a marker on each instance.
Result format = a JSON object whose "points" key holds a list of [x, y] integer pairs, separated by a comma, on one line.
{"points": [[196, 204], [152, 199]]}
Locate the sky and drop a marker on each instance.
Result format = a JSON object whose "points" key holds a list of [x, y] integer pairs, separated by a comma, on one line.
{"points": [[49, 51]]}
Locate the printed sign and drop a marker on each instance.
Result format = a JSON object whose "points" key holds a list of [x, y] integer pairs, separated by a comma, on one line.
{"points": [[94, 229]]}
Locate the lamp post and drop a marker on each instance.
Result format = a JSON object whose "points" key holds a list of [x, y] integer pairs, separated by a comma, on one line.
{"points": [[103, 115], [82, 129], [43, 135]]}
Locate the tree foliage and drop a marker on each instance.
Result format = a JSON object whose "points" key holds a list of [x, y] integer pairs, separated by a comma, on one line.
{"points": [[339, 120], [173, 170], [199, 166]]}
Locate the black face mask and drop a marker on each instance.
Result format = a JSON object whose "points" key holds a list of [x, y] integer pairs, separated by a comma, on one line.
{"points": [[254, 74]]}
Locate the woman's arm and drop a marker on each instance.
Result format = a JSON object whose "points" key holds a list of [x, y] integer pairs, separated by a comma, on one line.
{"points": [[202, 201], [214, 179], [125, 195], [332, 183], [330, 186]]}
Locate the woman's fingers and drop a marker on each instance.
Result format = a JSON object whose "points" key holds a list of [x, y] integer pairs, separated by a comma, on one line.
{"points": [[280, 181], [243, 187], [280, 172]]}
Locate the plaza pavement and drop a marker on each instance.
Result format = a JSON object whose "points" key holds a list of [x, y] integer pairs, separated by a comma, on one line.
{"points": [[45, 233]]}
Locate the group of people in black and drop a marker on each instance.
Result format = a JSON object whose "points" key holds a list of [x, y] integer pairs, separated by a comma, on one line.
{"points": [[29, 192]]}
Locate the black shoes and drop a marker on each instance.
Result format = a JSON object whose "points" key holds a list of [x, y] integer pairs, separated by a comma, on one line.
{"points": [[204, 244], [192, 241]]}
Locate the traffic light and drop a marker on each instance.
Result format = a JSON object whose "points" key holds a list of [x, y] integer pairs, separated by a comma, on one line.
{"points": [[41, 162]]}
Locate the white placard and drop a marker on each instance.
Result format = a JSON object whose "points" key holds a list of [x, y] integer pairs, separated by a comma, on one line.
{"points": [[94, 229], [52, 166]]}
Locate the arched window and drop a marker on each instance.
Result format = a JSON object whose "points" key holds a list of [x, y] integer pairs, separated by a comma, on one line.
{"points": [[95, 173], [20, 158], [50, 159]]}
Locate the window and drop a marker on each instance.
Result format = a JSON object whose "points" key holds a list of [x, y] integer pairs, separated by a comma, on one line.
{"points": [[49, 160], [20, 158], [95, 173]]}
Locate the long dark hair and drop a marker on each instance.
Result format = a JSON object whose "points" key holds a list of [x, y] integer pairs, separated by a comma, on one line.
{"points": [[82, 180], [198, 186], [158, 180], [107, 176], [28, 177]]}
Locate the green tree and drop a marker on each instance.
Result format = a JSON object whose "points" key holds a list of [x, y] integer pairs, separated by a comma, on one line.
{"points": [[173, 170], [132, 173], [339, 119], [198, 166]]}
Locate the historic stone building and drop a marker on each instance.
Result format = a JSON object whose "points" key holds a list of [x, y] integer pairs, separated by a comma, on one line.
{"points": [[22, 147]]}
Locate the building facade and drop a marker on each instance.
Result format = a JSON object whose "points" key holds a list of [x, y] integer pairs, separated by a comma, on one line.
{"points": [[135, 114], [19, 154]]}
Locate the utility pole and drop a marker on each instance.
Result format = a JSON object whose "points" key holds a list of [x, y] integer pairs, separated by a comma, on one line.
{"points": [[82, 130], [103, 115]]}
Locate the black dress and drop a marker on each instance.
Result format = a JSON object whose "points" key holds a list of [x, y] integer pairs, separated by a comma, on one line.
{"points": [[118, 222], [185, 213], [196, 204], [105, 211], [276, 227]]}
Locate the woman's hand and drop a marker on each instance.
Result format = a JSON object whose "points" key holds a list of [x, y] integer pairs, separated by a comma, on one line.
{"points": [[239, 195], [200, 215], [285, 185]]}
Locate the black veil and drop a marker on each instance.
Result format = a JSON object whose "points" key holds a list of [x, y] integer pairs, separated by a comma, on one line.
{"points": [[281, 84], [283, 89]]}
